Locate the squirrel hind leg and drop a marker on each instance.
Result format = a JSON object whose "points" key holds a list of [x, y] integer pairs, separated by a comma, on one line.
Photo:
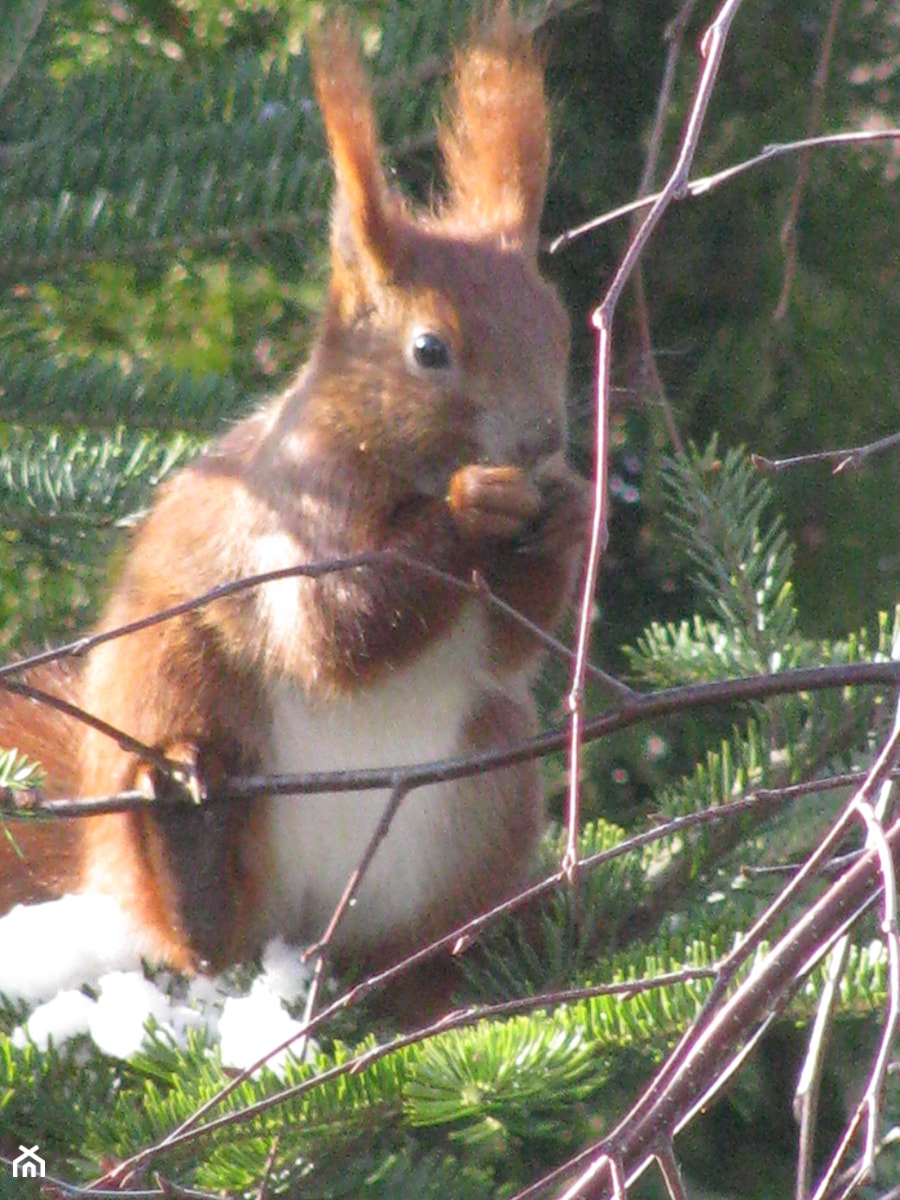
{"points": [[202, 904]]}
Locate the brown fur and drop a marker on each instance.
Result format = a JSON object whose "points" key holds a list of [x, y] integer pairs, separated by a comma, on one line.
{"points": [[40, 860], [458, 467]]}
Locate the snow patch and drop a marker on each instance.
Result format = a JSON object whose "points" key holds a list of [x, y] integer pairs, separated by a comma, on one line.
{"points": [[77, 960], [63, 944]]}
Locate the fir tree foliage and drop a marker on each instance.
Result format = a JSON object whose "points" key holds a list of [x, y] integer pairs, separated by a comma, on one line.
{"points": [[18, 773]]}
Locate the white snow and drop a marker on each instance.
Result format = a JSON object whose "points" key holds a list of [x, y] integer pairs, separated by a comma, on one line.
{"points": [[63, 1017], [126, 1002], [63, 944], [76, 960], [250, 1027]]}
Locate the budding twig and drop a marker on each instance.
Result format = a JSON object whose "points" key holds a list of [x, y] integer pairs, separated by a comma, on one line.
{"points": [[847, 459], [709, 183]]}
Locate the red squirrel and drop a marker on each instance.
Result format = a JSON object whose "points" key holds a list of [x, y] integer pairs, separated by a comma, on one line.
{"points": [[429, 420]]}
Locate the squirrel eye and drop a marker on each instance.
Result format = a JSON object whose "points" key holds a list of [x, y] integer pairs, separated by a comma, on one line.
{"points": [[430, 352]]}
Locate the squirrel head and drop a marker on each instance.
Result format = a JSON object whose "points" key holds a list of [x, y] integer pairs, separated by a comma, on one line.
{"points": [[441, 343]]}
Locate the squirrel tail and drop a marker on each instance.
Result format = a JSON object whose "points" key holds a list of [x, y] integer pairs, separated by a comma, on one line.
{"points": [[41, 859]]}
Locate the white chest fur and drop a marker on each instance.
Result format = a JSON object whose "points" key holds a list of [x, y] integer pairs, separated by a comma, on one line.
{"points": [[414, 716]]}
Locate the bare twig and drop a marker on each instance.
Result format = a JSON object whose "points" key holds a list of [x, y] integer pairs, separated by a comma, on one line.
{"points": [[644, 706], [150, 755], [183, 786], [649, 370], [707, 1053], [852, 457], [806, 1095], [398, 794], [668, 1166], [190, 1130], [807, 1092], [808, 787], [834, 867], [560, 649], [866, 1112], [606, 1165], [476, 587], [263, 1188], [712, 49], [789, 228], [841, 905], [708, 183], [319, 949], [467, 931]]}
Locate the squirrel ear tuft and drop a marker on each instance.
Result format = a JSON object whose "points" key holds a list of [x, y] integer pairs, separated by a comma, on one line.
{"points": [[496, 142], [364, 233]]}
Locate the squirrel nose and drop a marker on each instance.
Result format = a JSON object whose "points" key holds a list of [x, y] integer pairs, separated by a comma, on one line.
{"points": [[540, 441]]}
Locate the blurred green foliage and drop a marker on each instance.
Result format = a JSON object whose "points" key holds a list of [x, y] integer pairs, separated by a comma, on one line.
{"points": [[163, 214]]}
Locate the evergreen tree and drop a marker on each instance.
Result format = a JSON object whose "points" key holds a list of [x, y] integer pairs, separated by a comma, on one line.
{"points": [[163, 203]]}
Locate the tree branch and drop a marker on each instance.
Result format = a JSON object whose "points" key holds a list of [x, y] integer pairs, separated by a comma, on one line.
{"points": [[642, 707], [708, 183]]}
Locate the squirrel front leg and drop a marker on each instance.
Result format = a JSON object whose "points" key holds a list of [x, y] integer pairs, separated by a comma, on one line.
{"points": [[533, 530]]}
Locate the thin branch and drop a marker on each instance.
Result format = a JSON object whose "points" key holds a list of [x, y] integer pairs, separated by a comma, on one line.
{"points": [[649, 369], [668, 1166], [473, 927], [84, 644], [789, 228], [398, 793], [670, 882], [183, 785], [263, 1189], [602, 1165], [464, 933], [643, 707], [834, 867], [712, 48], [476, 587], [851, 895], [319, 949], [481, 587], [852, 457], [477, 924], [150, 755], [709, 183], [828, 783], [806, 1094], [867, 1109]]}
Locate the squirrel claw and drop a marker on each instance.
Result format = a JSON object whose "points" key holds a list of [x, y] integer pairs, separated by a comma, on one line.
{"points": [[185, 775]]}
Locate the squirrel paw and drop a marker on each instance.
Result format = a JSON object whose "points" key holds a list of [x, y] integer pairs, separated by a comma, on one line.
{"points": [[184, 759], [492, 502]]}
